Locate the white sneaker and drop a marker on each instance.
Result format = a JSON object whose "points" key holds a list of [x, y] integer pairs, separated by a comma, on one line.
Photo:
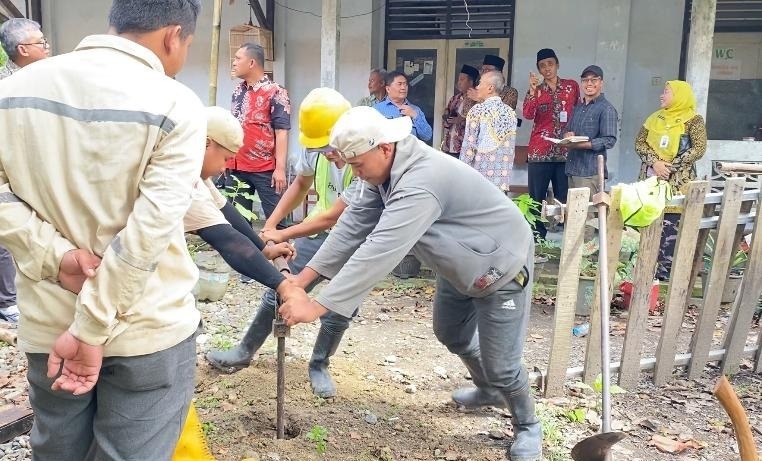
{"points": [[10, 314]]}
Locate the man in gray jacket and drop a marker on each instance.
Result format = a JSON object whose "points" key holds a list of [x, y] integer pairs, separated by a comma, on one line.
{"points": [[458, 223]]}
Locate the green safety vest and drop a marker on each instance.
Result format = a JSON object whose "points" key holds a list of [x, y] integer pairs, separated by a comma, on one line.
{"points": [[322, 175]]}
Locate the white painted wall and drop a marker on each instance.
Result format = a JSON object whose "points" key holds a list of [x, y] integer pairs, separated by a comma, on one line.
{"points": [[634, 42], [297, 45]]}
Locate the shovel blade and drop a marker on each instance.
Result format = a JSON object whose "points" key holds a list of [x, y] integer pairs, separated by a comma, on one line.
{"points": [[596, 448]]}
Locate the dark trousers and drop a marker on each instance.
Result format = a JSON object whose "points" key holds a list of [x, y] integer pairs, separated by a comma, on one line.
{"points": [[540, 175], [7, 282], [259, 183], [667, 246]]}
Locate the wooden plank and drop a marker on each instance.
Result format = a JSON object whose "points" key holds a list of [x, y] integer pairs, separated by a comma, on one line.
{"points": [[11, 8], [704, 333], [680, 286], [566, 290], [643, 280], [14, 422], [614, 228], [743, 312]]}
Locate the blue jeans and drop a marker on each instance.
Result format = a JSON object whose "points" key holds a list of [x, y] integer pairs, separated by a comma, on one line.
{"points": [[7, 282], [492, 328], [259, 183]]}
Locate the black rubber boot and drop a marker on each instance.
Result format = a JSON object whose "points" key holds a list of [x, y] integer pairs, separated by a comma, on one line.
{"points": [[240, 356], [326, 344], [481, 395], [527, 430]]}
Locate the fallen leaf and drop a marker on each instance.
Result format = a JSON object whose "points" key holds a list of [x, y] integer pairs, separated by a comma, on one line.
{"points": [[669, 445]]}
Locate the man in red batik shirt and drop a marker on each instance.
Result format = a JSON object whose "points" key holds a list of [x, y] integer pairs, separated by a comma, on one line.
{"points": [[550, 105], [264, 110]]}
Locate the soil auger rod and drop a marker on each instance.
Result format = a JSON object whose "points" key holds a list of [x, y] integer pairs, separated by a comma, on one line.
{"points": [[280, 331]]}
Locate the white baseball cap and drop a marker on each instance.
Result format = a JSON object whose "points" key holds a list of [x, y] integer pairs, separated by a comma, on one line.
{"points": [[362, 128], [223, 128]]}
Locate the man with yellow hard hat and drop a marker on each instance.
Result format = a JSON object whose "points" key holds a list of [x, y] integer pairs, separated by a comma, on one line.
{"points": [[321, 165]]}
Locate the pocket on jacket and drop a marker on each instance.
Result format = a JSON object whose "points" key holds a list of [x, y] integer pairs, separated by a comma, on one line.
{"points": [[480, 244]]}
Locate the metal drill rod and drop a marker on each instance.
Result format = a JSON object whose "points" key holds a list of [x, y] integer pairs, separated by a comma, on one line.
{"points": [[601, 200], [280, 331]]}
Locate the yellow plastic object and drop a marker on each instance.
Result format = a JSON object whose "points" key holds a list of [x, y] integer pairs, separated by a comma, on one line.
{"points": [[192, 444], [644, 201], [317, 114]]}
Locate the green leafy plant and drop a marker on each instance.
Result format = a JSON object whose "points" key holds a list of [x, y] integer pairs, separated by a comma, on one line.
{"points": [[588, 268], [550, 249], [737, 261], [240, 189], [319, 436], [576, 415], [614, 389], [208, 428], [3, 56], [529, 208]]}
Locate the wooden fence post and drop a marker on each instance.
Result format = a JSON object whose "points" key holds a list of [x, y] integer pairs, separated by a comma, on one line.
{"points": [[680, 278], [643, 280], [746, 303], [566, 291], [614, 228], [704, 333]]}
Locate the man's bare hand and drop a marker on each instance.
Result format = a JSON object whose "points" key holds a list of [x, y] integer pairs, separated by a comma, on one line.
{"points": [[279, 181], [409, 111], [284, 249], [296, 311], [272, 235], [76, 267], [78, 364], [471, 94]]}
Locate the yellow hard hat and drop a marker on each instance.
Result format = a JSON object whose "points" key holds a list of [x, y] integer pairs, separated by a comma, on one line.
{"points": [[318, 113]]}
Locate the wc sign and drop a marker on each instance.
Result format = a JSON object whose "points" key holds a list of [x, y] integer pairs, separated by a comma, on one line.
{"points": [[725, 65]]}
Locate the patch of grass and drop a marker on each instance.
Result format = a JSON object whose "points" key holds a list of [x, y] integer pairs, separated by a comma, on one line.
{"points": [[207, 402], [319, 436], [552, 435], [208, 428], [222, 342]]}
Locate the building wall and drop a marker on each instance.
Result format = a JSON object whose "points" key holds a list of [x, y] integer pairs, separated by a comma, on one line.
{"points": [[297, 45], [622, 36]]}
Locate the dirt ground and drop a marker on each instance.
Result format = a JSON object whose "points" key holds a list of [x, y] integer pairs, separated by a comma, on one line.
{"points": [[394, 380]]}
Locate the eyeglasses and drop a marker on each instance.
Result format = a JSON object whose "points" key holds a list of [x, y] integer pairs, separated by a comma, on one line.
{"points": [[43, 42], [591, 80]]}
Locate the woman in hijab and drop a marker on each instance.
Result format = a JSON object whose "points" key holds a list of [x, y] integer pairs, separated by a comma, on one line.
{"points": [[670, 142]]}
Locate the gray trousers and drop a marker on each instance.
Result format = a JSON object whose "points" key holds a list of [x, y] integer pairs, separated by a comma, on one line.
{"points": [[305, 250], [492, 328], [135, 412], [7, 276]]}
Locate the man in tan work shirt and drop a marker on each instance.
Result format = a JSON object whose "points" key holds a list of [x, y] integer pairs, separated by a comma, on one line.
{"points": [[112, 146]]}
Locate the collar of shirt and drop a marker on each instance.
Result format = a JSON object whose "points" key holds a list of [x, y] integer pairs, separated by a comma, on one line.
{"points": [[389, 101], [600, 97], [262, 81], [497, 97], [124, 45]]}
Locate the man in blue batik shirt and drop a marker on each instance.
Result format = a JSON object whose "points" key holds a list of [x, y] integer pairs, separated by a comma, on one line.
{"points": [[395, 105]]}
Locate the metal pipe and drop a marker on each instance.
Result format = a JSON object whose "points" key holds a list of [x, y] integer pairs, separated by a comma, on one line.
{"points": [[603, 295], [536, 378], [678, 200]]}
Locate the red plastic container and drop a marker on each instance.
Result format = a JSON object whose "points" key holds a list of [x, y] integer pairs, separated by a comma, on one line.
{"points": [[626, 289]]}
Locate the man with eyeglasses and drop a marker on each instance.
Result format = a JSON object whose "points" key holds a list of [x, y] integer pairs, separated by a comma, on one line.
{"points": [[24, 44], [596, 118]]}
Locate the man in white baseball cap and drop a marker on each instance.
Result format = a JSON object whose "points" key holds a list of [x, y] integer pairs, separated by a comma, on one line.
{"points": [[460, 225], [217, 221]]}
